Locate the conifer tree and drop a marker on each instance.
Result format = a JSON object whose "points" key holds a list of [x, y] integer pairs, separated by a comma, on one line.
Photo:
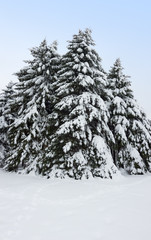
{"points": [[29, 134], [6, 119], [79, 146], [129, 125]]}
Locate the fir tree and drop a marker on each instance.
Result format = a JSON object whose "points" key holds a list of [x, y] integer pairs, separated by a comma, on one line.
{"points": [[79, 146], [29, 134], [129, 125], [6, 119]]}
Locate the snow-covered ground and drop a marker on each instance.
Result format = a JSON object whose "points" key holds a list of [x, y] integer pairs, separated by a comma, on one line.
{"points": [[33, 208]]}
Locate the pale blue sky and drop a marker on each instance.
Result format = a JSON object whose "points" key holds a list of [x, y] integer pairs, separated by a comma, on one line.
{"points": [[121, 28]]}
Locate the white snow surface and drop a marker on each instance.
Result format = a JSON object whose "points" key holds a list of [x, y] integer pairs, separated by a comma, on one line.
{"points": [[35, 208]]}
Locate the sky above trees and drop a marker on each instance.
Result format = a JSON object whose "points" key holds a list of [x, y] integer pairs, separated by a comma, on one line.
{"points": [[121, 28]]}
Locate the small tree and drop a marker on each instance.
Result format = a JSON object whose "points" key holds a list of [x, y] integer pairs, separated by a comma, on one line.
{"points": [[6, 119], [129, 125]]}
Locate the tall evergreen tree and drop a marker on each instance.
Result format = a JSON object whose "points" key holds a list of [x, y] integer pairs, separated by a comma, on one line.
{"points": [[29, 134], [129, 125], [79, 146]]}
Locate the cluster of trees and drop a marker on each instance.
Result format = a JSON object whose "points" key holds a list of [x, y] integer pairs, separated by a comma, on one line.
{"points": [[67, 117]]}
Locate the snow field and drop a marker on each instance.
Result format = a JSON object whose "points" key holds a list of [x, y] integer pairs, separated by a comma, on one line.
{"points": [[34, 208]]}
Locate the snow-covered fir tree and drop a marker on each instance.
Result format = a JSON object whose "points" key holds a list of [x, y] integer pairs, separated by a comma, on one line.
{"points": [[66, 117], [3, 126], [129, 125], [6, 119], [29, 134], [81, 136]]}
